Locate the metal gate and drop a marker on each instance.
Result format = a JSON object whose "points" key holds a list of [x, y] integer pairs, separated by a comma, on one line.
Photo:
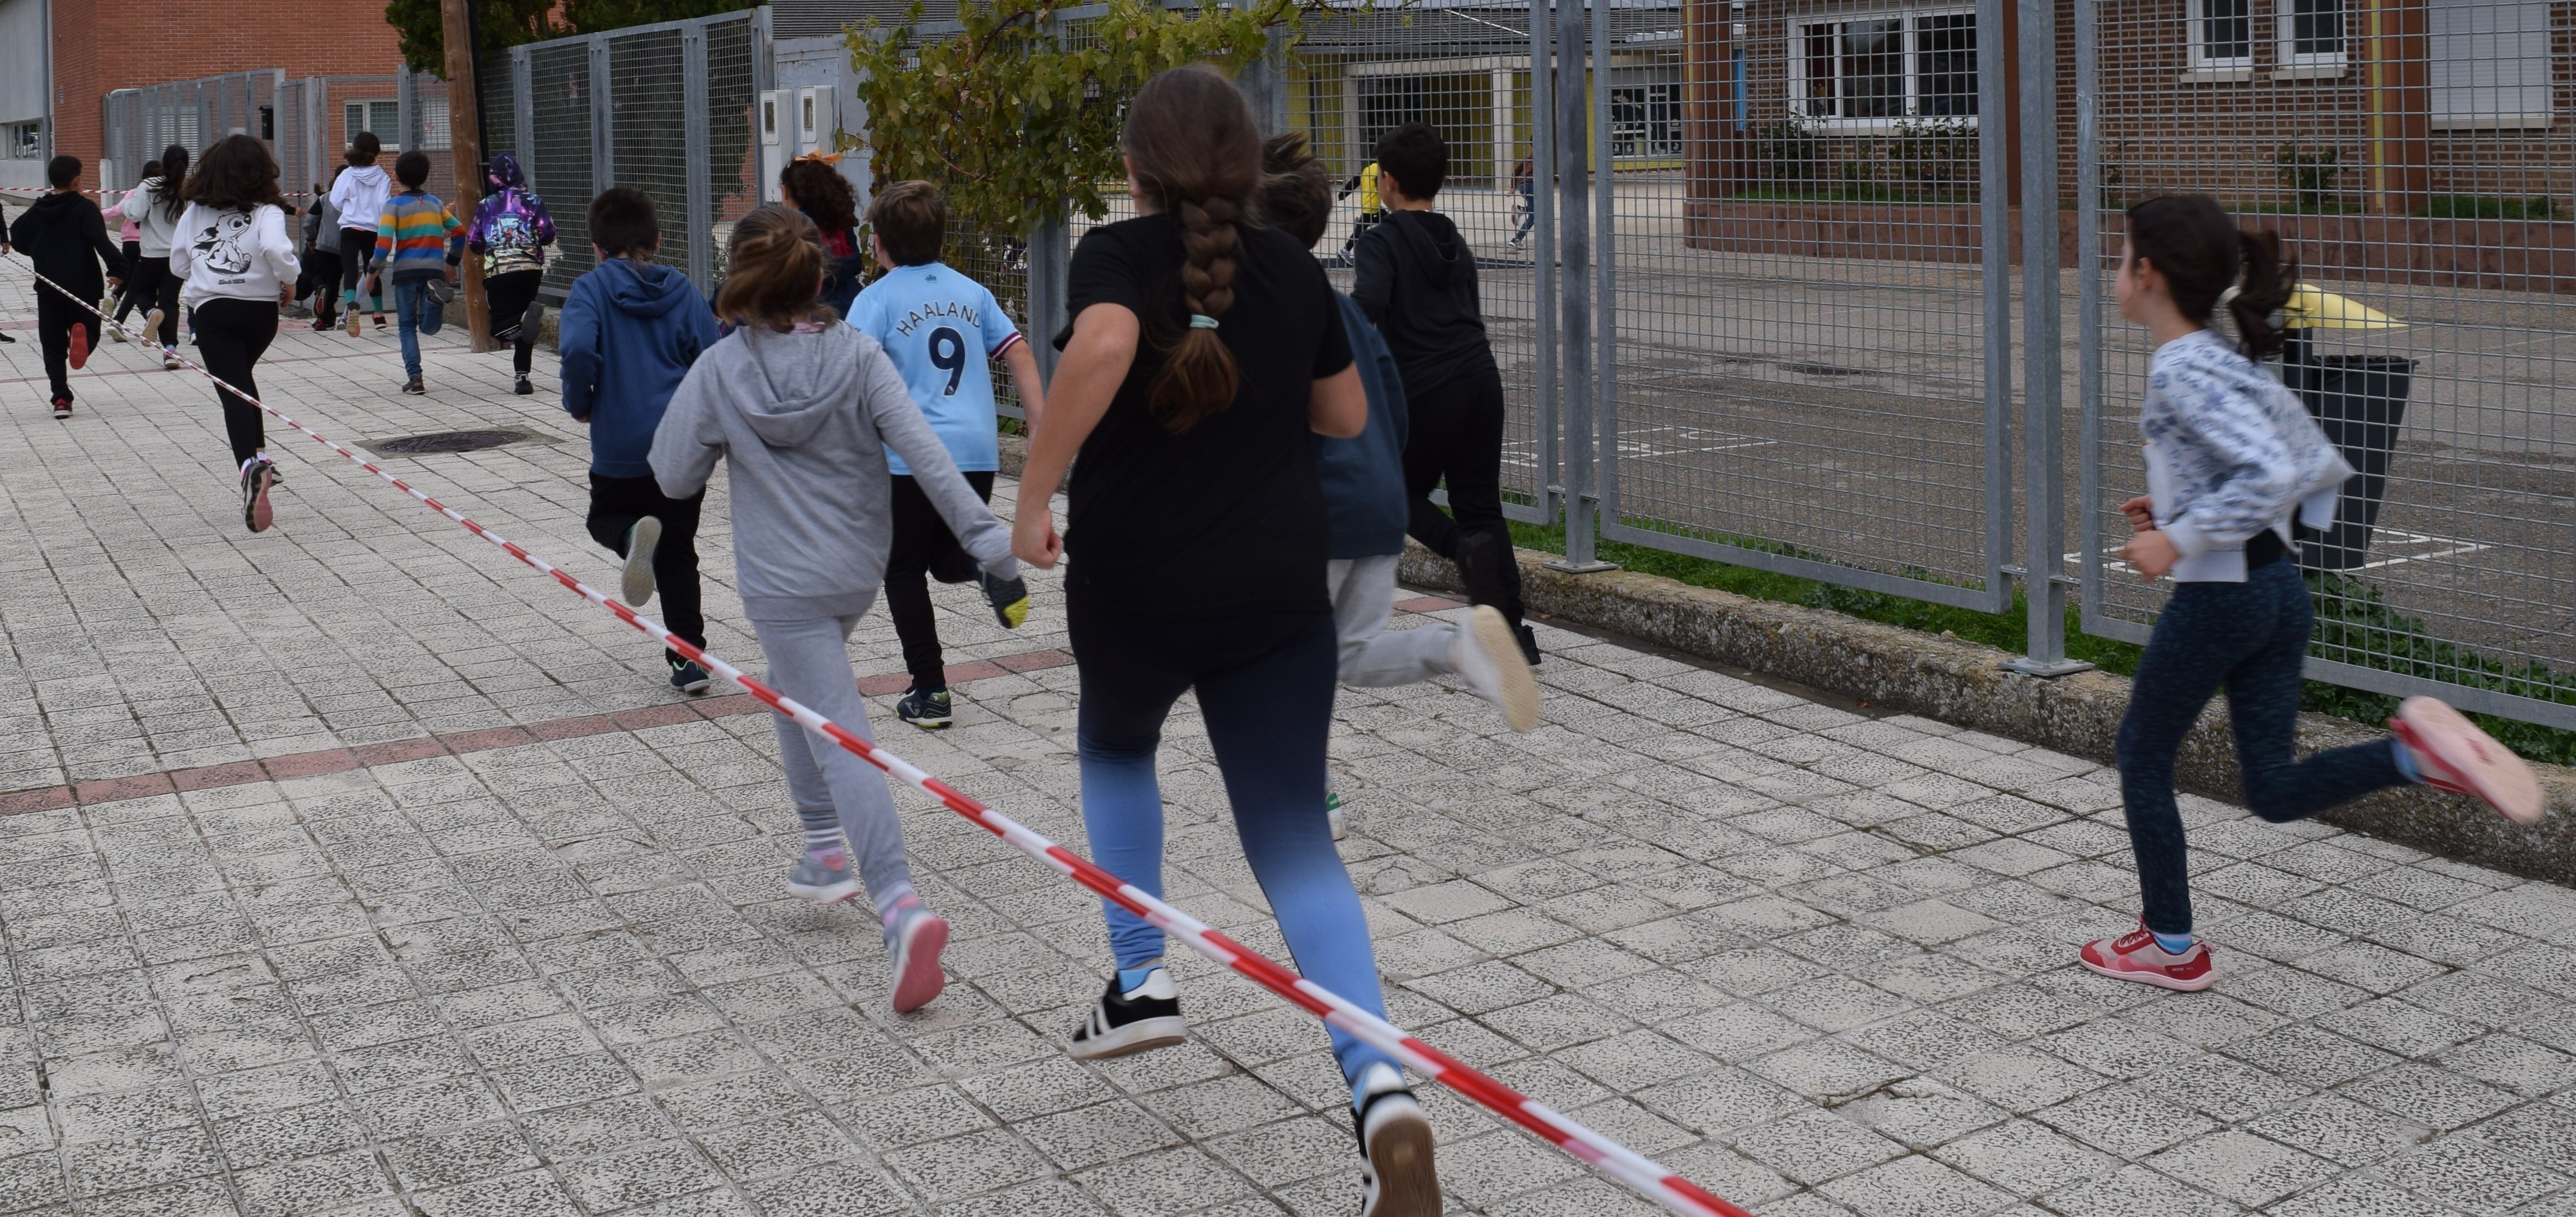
{"points": [[2416, 160]]}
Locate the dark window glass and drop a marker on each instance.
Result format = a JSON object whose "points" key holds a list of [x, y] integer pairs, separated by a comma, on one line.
{"points": [[2227, 29], [1945, 57], [1873, 69], [2316, 27]]}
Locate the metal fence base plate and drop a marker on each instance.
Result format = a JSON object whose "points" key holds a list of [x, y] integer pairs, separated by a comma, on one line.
{"points": [[1580, 568], [2048, 669]]}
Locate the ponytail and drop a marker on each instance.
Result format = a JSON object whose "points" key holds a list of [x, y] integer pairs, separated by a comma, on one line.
{"points": [[2206, 259], [2262, 292], [170, 192], [1197, 152]]}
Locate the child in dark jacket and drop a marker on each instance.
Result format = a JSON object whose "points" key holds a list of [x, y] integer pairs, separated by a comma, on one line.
{"points": [[66, 239], [1416, 278], [629, 332]]}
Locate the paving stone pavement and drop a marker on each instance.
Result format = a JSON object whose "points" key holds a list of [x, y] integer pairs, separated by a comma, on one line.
{"points": [[1817, 959]]}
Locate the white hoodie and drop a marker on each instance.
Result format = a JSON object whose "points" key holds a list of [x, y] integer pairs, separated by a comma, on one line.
{"points": [[154, 224], [224, 253], [360, 196]]}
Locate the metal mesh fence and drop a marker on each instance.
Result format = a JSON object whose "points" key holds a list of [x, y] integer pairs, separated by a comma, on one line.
{"points": [[733, 133], [648, 149], [560, 150], [2415, 160]]}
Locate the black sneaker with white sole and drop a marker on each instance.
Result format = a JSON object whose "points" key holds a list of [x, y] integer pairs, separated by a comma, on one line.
{"points": [[1147, 1016], [688, 677], [1397, 1178], [927, 710]]}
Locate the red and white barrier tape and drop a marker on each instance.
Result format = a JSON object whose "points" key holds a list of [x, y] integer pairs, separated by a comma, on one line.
{"points": [[1603, 1154]]}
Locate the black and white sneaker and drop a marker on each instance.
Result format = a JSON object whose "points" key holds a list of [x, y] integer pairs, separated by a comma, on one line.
{"points": [[523, 388], [256, 477], [1147, 1016], [635, 579], [688, 677], [1396, 1174], [926, 710]]}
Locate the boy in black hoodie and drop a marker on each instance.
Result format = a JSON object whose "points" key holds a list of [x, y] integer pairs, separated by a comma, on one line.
{"points": [[64, 236], [1417, 281]]}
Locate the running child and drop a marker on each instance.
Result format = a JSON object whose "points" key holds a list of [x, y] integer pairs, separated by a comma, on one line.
{"points": [[1416, 278], [129, 237], [1363, 480], [359, 195], [2232, 460], [319, 281], [65, 238], [238, 264], [511, 230], [417, 246], [810, 185], [153, 206], [803, 408], [942, 330], [1205, 354], [630, 330]]}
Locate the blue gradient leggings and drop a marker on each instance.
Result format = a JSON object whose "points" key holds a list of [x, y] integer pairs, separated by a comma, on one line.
{"points": [[1265, 687]]}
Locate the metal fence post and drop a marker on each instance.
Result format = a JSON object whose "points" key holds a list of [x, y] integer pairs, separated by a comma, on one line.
{"points": [[2088, 304], [603, 119], [2043, 427], [1544, 174], [693, 137], [1050, 258], [406, 108], [1574, 304], [1601, 481], [523, 112]]}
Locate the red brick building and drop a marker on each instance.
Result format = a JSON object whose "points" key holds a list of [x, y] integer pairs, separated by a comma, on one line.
{"points": [[87, 48]]}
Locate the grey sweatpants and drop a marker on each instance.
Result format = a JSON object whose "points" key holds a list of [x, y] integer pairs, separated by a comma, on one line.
{"points": [[1372, 656], [809, 661]]}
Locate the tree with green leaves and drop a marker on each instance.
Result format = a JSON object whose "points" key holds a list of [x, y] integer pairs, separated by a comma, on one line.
{"points": [[1016, 116], [507, 23]]}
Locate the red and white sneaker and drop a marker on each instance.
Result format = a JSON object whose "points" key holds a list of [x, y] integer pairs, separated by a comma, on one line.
{"points": [[79, 353], [2136, 956], [2452, 754]]}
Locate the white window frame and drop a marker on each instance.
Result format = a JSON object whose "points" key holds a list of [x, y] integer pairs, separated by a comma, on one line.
{"points": [[1911, 72], [2196, 40], [1644, 147], [2286, 54]]}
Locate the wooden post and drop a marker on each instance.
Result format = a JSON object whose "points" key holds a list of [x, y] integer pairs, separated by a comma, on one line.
{"points": [[465, 144]]}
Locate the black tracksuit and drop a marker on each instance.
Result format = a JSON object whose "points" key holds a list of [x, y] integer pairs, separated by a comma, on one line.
{"points": [[66, 240], [1416, 279]]}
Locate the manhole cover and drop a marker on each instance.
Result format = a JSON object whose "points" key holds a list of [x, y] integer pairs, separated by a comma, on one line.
{"points": [[449, 441]]}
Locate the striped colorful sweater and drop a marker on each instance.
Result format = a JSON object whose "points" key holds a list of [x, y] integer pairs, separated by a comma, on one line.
{"points": [[417, 237]]}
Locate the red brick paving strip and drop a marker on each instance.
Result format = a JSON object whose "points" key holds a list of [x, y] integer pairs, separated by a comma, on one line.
{"points": [[390, 752]]}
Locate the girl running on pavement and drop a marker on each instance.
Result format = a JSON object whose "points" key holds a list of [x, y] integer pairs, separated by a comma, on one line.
{"points": [[153, 207], [359, 196], [130, 237], [1205, 354], [511, 231], [2232, 459], [811, 185], [803, 408], [234, 254]]}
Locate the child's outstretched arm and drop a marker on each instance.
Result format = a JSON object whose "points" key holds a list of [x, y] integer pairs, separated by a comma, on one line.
{"points": [[1023, 364]]}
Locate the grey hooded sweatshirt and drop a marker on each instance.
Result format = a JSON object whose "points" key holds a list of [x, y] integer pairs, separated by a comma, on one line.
{"points": [[805, 418]]}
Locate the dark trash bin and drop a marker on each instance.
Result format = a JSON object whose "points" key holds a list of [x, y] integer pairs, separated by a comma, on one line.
{"points": [[2359, 401]]}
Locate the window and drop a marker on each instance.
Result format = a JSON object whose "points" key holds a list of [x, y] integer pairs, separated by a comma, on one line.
{"points": [[22, 141], [2222, 33], [1883, 69], [2490, 63], [1646, 120], [384, 118], [2311, 32]]}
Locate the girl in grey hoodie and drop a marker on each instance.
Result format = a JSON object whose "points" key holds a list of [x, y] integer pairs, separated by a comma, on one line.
{"points": [[803, 408]]}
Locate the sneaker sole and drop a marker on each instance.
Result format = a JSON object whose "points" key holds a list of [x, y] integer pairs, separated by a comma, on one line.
{"points": [[833, 894], [1407, 1184], [151, 324], [921, 978], [1143, 1035], [636, 581], [260, 515], [929, 724], [2157, 979], [1519, 689], [2476, 764]]}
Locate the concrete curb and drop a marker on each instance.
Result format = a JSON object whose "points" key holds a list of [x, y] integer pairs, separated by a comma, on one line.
{"points": [[1961, 682]]}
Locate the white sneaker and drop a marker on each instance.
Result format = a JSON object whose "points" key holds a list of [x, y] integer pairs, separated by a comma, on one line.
{"points": [[635, 579], [1488, 657], [1397, 1178]]}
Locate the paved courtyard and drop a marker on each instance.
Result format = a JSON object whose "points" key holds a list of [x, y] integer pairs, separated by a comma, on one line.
{"points": [[354, 868]]}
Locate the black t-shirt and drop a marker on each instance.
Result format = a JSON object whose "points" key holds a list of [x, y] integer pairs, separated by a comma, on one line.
{"points": [[1226, 517]]}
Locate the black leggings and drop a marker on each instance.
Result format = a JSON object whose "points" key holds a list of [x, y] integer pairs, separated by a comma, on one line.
{"points": [[506, 297], [55, 320], [1455, 435], [231, 336], [125, 294], [357, 257], [924, 548], [323, 264], [155, 287]]}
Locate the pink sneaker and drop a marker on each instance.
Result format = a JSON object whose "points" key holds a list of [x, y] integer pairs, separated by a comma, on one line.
{"points": [[915, 937], [2452, 754], [2135, 956]]}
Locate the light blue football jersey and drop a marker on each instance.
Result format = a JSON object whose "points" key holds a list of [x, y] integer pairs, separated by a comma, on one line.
{"points": [[943, 330]]}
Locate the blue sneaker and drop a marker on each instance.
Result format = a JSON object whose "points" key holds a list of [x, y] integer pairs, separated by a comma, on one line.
{"points": [[688, 677], [928, 711], [823, 878]]}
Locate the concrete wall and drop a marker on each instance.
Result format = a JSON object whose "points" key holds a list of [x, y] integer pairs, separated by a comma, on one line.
{"points": [[22, 60]]}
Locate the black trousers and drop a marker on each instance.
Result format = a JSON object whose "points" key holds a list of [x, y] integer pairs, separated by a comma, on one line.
{"points": [[55, 318], [125, 295], [924, 549], [357, 257], [153, 286], [615, 504], [231, 336], [322, 281], [1455, 435], [507, 298]]}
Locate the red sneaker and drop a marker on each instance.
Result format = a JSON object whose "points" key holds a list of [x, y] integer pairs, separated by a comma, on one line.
{"points": [[2135, 956], [80, 347], [2452, 754]]}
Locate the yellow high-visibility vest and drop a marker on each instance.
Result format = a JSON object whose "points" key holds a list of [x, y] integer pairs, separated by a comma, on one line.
{"points": [[1368, 189]]}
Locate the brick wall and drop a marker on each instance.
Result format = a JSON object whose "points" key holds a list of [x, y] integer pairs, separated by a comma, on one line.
{"points": [[103, 45]]}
